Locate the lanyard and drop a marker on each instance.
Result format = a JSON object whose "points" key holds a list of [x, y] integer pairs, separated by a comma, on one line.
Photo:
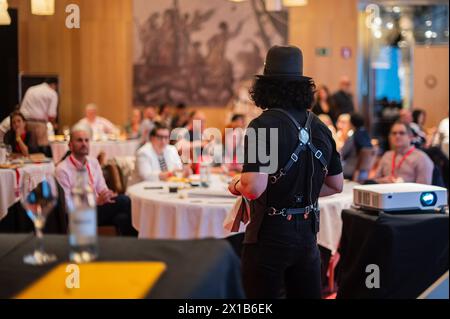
{"points": [[91, 178], [412, 149]]}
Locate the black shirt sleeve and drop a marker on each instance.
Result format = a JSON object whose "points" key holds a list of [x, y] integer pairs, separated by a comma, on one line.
{"points": [[334, 165], [253, 138]]}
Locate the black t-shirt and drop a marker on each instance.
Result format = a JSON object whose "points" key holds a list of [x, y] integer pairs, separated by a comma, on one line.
{"points": [[301, 186]]}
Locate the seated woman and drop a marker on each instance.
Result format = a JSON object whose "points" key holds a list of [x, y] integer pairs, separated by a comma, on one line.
{"points": [[22, 142], [344, 130]]}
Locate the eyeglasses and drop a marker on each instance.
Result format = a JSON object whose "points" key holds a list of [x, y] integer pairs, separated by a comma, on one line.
{"points": [[162, 137], [401, 133]]}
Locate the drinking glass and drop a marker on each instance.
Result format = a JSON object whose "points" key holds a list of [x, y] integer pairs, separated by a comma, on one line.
{"points": [[39, 195]]}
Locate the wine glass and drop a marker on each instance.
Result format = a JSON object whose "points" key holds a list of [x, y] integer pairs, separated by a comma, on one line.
{"points": [[8, 150], [39, 195], [66, 132]]}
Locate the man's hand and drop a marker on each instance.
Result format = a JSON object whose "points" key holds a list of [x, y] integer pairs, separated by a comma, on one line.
{"points": [[164, 176], [232, 185], [106, 197], [187, 171]]}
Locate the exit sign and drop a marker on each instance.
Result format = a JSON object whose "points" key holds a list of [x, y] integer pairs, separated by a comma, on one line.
{"points": [[323, 51]]}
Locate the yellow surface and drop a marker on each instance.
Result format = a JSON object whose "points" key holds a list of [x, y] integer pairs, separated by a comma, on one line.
{"points": [[97, 281], [174, 179]]}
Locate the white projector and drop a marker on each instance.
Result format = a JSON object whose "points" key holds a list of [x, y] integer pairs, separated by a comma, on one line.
{"points": [[399, 197]]}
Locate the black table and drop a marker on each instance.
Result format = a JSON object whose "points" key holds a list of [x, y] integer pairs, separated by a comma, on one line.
{"points": [[200, 269], [411, 252]]}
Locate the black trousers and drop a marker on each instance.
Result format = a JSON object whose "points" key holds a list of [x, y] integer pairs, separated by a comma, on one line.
{"points": [[284, 263], [117, 214]]}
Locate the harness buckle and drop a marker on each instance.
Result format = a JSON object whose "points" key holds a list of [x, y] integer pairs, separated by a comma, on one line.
{"points": [[294, 157], [273, 211], [274, 178], [318, 154]]}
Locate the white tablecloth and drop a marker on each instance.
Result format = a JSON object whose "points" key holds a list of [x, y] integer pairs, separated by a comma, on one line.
{"points": [[330, 217], [157, 214], [111, 149], [10, 184]]}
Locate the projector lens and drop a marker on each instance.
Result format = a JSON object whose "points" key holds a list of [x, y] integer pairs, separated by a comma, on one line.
{"points": [[428, 199]]}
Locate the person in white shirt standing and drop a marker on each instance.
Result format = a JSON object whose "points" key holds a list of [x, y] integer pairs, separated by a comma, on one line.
{"points": [[99, 125], [39, 106], [157, 160]]}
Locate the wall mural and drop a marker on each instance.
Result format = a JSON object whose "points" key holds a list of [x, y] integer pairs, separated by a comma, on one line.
{"points": [[200, 51]]}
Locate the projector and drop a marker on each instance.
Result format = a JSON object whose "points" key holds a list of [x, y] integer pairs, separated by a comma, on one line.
{"points": [[399, 197]]}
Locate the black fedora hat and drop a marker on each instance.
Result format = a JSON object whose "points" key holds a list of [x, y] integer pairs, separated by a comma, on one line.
{"points": [[284, 62]]}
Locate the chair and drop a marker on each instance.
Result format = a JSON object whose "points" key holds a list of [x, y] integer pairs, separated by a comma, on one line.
{"points": [[441, 166], [107, 231]]}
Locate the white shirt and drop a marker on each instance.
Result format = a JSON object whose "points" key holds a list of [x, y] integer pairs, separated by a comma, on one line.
{"points": [[40, 103], [100, 126], [67, 170], [147, 161]]}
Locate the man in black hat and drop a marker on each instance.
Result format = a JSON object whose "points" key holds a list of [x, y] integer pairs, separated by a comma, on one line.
{"points": [[280, 257]]}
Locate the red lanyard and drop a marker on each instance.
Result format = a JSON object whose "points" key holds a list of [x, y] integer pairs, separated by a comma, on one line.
{"points": [[91, 178], [412, 149]]}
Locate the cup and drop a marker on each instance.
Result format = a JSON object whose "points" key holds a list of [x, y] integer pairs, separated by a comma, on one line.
{"points": [[173, 189]]}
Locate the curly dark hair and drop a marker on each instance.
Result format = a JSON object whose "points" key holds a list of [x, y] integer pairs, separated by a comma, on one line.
{"points": [[284, 94]]}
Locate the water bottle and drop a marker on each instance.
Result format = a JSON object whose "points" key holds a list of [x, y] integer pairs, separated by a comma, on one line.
{"points": [[50, 132], [83, 221], [205, 174]]}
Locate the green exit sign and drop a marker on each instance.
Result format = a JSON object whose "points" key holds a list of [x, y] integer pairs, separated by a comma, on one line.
{"points": [[322, 51]]}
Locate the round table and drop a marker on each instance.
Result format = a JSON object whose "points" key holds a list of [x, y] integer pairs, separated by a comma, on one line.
{"points": [[111, 148], [11, 182], [195, 213], [158, 214]]}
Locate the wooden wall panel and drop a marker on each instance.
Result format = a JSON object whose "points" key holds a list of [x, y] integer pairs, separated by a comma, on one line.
{"points": [[326, 24], [432, 99], [94, 62]]}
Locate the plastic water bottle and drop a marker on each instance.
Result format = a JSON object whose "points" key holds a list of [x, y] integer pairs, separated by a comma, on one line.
{"points": [[83, 221], [205, 174]]}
